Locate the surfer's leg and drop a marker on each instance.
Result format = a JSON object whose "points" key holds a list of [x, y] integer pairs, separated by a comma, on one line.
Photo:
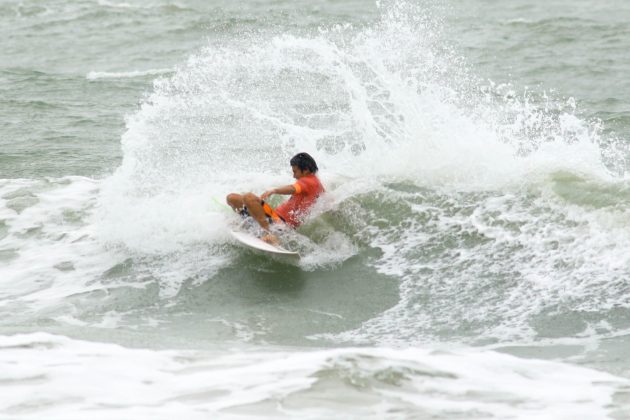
{"points": [[255, 209]]}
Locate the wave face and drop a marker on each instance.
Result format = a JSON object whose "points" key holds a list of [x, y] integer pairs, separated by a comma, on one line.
{"points": [[493, 210], [459, 213]]}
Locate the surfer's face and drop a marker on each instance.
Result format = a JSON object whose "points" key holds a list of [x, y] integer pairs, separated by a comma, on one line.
{"points": [[298, 173]]}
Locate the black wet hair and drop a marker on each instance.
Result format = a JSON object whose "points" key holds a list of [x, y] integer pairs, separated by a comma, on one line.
{"points": [[304, 161]]}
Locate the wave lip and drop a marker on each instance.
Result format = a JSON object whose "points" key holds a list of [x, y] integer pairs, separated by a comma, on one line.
{"points": [[122, 5], [70, 376], [95, 75]]}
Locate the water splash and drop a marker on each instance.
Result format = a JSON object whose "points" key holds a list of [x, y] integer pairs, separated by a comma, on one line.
{"points": [[392, 114]]}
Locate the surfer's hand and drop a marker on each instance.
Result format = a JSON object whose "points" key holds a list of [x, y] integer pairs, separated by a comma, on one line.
{"points": [[267, 194], [271, 239]]}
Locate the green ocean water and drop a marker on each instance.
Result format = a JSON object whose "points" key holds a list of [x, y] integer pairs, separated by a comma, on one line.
{"points": [[472, 244], [575, 49]]}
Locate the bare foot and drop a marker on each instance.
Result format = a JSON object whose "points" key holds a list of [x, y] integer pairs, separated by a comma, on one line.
{"points": [[271, 239]]}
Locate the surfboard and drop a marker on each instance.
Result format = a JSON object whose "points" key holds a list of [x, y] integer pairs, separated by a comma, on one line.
{"points": [[257, 244]]}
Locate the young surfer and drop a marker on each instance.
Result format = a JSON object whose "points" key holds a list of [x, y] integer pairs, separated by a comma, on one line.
{"points": [[304, 193]]}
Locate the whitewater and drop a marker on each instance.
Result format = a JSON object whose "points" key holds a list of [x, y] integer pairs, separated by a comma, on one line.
{"points": [[470, 258]]}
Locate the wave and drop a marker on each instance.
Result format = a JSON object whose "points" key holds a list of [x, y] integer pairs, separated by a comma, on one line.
{"points": [[464, 186], [95, 75], [118, 5], [126, 5], [491, 210], [366, 383]]}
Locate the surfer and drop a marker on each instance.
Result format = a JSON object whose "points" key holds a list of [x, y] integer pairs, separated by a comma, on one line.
{"points": [[304, 193]]}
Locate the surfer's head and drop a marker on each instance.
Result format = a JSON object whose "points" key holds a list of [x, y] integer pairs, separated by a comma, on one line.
{"points": [[303, 164]]}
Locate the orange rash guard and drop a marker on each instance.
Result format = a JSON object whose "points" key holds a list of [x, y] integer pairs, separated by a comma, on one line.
{"points": [[307, 189]]}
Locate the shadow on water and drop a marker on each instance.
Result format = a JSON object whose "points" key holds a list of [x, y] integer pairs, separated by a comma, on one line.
{"points": [[264, 300], [254, 300], [264, 275]]}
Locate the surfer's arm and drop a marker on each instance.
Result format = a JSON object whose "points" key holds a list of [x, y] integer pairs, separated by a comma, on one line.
{"points": [[286, 190]]}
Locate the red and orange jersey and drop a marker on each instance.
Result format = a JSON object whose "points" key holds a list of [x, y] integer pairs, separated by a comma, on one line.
{"points": [[307, 189]]}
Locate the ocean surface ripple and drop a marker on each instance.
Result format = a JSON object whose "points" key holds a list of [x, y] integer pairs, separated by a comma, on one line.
{"points": [[470, 258]]}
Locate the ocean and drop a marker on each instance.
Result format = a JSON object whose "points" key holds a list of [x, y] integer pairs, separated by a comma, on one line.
{"points": [[469, 260]]}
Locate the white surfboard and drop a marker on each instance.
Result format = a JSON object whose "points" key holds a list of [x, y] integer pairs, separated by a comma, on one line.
{"points": [[258, 244]]}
